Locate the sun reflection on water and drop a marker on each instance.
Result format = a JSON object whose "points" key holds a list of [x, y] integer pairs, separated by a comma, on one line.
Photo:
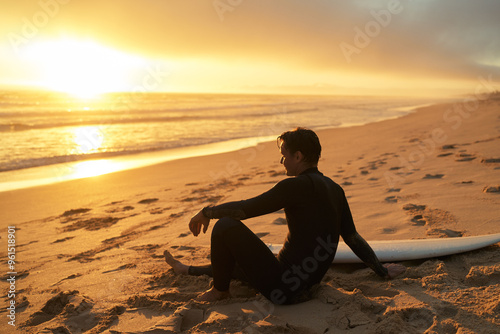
{"points": [[88, 139]]}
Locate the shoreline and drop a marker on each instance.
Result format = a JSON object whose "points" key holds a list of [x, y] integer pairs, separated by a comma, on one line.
{"points": [[36, 176], [61, 172]]}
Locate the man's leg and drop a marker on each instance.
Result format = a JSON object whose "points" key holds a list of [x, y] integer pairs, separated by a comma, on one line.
{"points": [[183, 269], [232, 244]]}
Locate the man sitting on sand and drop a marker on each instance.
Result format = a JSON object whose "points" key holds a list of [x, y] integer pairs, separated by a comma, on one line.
{"points": [[317, 213]]}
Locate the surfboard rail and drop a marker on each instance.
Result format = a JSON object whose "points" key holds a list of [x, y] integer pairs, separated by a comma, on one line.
{"points": [[412, 249]]}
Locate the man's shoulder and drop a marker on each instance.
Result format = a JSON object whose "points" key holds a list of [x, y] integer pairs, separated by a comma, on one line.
{"points": [[320, 178], [293, 182], [307, 179]]}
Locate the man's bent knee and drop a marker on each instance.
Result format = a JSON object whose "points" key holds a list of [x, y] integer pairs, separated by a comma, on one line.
{"points": [[224, 224]]}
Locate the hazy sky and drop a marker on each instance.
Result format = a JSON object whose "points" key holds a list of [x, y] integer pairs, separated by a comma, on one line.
{"points": [[314, 46]]}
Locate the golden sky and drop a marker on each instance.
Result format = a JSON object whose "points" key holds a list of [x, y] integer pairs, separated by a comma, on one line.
{"points": [[285, 46]]}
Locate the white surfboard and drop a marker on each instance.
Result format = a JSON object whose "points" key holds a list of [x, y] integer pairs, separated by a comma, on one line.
{"points": [[414, 249]]}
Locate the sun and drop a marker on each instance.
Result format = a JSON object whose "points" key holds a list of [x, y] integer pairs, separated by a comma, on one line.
{"points": [[83, 68]]}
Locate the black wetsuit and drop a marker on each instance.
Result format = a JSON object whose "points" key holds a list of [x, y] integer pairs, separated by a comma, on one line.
{"points": [[316, 211]]}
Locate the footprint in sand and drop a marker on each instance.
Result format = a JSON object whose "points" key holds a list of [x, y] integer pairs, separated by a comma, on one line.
{"points": [[491, 189], [62, 240], [148, 200], [77, 309], [147, 248], [414, 207], [490, 161], [449, 147], [51, 309], [392, 199], [482, 276], [433, 176], [418, 220], [422, 215], [389, 230], [444, 233], [157, 211], [75, 212], [92, 224], [125, 208], [461, 157], [125, 266], [421, 317]]}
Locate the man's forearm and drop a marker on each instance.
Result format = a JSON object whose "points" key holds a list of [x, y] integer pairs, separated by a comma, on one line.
{"points": [[361, 248], [231, 209]]}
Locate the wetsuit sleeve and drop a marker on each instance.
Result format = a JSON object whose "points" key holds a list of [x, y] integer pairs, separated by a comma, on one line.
{"points": [[272, 200], [359, 245]]}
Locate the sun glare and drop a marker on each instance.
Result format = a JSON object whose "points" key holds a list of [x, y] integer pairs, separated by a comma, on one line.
{"points": [[88, 139], [94, 168], [83, 68]]}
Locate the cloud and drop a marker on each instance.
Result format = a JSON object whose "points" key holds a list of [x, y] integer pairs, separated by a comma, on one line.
{"points": [[443, 39]]}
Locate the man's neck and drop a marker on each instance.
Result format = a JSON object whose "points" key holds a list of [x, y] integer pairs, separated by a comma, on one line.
{"points": [[306, 167]]}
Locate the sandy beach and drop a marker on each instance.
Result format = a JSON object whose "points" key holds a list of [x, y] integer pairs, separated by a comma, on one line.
{"points": [[88, 252]]}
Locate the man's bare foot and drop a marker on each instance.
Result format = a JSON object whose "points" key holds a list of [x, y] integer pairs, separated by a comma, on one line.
{"points": [[177, 266], [213, 295]]}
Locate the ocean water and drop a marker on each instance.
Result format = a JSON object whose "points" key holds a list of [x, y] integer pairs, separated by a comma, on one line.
{"points": [[39, 129]]}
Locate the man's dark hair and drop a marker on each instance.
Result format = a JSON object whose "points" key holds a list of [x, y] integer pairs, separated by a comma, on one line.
{"points": [[303, 140]]}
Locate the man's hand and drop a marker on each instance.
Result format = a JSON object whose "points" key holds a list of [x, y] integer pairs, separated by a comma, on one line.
{"points": [[394, 269], [197, 222]]}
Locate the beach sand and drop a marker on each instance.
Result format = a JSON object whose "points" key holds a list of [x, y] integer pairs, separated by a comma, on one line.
{"points": [[89, 251]]}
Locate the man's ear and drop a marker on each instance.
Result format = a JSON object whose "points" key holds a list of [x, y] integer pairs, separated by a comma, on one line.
{"points": [[298, 156]]}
